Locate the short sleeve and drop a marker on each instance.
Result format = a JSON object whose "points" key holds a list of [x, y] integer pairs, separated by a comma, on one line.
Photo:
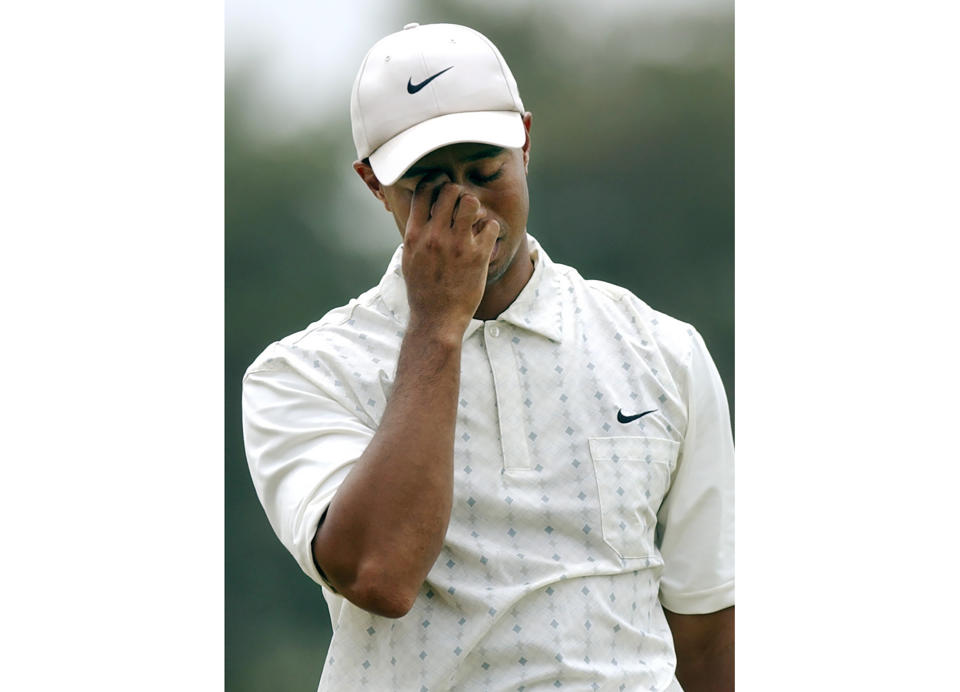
{"points": [[301, 443], [696, 519]]}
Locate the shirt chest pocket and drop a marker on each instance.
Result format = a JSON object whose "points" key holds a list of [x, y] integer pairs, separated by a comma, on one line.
{"points": [[633, 475]]}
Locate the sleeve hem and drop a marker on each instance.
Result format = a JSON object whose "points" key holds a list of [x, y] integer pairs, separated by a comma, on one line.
{"points": [[312, 517], [699, 602]]}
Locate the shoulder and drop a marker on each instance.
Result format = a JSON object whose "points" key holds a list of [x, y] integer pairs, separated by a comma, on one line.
{"points": [[599, 307], [611, 302], [338, 335]]}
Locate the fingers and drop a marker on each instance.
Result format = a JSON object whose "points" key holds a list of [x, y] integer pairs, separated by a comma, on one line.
{"points": [[486, 236], [426, 202], [445, 197], [439, 206], [420, 204], [448, 243], [466, 213]]}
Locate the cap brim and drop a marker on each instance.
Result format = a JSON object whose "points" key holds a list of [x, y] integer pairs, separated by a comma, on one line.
{"points": [[395, 156]]}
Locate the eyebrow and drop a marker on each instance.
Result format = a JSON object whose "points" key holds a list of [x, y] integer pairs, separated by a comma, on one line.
{"points": [[485, 153]]}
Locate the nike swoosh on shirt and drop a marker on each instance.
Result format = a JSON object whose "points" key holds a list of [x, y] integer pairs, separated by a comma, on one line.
{"points": [[414, 88], [628, 419]]}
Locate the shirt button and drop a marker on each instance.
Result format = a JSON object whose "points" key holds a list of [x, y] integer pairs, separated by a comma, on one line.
{"points": [[494, 331]]}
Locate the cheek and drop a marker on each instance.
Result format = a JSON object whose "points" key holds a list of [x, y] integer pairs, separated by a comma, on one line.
{"points": [[398, 204], [400, 216], [514, 205]]}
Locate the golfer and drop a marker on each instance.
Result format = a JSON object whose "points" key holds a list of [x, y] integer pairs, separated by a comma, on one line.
{"points": [[504, 476]]}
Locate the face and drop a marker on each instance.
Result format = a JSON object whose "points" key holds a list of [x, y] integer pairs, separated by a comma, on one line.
{"points": [[496, 176]]}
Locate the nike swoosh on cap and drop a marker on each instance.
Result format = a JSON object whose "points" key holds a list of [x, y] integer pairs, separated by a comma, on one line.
{"points": [[414, 88]]}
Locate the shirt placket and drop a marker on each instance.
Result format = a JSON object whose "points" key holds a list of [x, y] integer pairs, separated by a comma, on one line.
{"points": [[506, 383]]}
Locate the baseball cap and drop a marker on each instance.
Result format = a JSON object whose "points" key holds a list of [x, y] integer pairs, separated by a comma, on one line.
{"points": [[428, 86]]}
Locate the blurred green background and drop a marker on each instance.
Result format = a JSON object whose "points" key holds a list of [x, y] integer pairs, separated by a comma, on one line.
{"points": [[631, 181]]}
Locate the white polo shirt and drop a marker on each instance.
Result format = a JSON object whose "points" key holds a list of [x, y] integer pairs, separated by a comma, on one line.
{"points": [[569, 528]]}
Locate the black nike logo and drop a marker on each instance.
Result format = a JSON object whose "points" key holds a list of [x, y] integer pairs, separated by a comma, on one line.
{"points": [[414, 88], [627, 419]]}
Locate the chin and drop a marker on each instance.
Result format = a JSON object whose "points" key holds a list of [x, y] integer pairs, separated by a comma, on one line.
{"points": [[496, 272]]}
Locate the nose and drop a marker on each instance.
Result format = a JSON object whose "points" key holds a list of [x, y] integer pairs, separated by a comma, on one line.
{"points": [[469, 187], [481, 213]]}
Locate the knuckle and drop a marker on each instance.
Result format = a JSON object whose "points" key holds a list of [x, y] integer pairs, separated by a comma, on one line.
{"points": [[469, 204]]}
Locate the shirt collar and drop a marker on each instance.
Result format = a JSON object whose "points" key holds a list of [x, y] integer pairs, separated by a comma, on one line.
{"points": [[538, 308]]}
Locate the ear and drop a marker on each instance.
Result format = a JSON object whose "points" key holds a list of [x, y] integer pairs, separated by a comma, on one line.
{"points": [[365, 171], [527, 120]]}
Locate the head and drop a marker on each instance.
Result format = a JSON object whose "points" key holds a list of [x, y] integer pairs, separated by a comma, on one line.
{"points": [[495, 175], [439, 102]]}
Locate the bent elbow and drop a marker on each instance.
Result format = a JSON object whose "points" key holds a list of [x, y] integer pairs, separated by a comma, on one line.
{"points": [[379, 590], [391, 605], [368, 584], [383, 598]]}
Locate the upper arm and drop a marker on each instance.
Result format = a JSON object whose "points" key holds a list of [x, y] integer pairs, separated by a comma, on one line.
{"points": [[702, 631], [704, 645], [696, 521], [301, 443]]}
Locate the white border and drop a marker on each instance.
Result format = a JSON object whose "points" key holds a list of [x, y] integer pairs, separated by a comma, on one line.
{"points": [[847, 374], [112, 284]]}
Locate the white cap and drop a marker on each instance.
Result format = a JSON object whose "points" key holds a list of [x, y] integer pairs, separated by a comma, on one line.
{"points": [[429, 86]]}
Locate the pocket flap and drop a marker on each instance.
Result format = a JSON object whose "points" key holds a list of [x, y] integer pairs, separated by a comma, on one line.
{"points": [[635, 448]]}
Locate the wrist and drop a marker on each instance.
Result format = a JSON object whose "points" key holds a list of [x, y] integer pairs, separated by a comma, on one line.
{"points": [[447, 334]]}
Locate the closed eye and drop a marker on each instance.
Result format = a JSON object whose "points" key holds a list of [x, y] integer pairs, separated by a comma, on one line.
{"points": [[483, 179]]}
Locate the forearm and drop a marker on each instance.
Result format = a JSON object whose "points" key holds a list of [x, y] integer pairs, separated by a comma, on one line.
{"points": [[386, 525]]}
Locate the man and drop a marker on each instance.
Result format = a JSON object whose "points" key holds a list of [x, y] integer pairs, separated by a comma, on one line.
{"points": [[504, 476]]}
